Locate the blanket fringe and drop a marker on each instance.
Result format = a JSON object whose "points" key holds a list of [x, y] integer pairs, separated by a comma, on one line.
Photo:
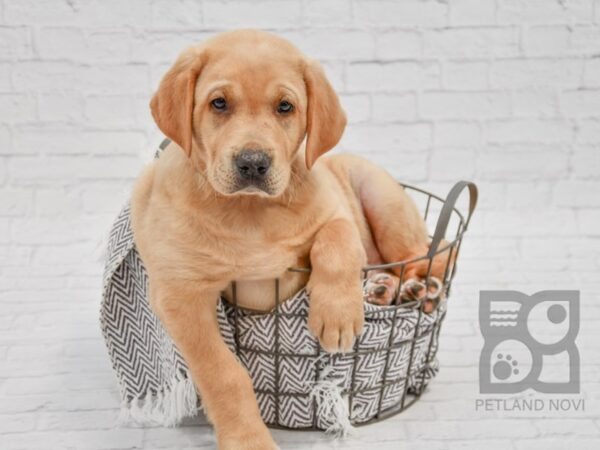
{"points": [[332, 407], [166, 408]]}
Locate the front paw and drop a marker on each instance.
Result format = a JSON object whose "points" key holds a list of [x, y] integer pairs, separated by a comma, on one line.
{"points": [[336, 315], [252, 439]]}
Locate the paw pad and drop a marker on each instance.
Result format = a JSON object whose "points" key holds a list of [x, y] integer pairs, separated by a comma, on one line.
{"points": [[381, 289], [505, 366]]}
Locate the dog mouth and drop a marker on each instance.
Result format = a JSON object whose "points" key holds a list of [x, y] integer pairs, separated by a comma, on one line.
{"points": [[252, 187], [231, 184], [252, 190]]}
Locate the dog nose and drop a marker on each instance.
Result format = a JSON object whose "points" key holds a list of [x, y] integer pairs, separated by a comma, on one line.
{"points": [[253, 164]]}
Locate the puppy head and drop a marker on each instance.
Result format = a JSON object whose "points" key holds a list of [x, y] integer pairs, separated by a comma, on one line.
{"points": [[241, 105]]}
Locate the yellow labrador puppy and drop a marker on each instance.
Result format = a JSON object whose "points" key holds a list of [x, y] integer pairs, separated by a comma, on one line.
{"points": [[240, 194]]}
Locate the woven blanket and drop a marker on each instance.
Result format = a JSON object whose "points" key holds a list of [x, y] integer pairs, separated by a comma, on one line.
{"points": [[302, 386]]}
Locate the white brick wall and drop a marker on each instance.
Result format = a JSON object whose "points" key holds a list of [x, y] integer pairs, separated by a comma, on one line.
{"points": [[503, 92]]}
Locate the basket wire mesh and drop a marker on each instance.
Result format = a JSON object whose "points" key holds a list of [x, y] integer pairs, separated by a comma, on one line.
{"points": [[449, 215]]}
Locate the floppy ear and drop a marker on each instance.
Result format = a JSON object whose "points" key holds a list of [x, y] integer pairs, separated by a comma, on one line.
{"points": [[326, 119], [173, 104]]}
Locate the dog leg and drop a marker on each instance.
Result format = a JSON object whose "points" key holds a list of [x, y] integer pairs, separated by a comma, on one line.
{"points": [[190, 318], [336, 311], [397, 226]]}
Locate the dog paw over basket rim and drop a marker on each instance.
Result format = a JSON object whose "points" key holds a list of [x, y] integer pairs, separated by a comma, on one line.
{"points": [[298, 385]]}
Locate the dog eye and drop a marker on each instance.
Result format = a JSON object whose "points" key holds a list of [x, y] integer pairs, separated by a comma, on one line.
{"points": [[219, 104], [285, 107]]}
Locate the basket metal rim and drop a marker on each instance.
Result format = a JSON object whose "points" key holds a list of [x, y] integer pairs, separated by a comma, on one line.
{"points": [[454, 242]]}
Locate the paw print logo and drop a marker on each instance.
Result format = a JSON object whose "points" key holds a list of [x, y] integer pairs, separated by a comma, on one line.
{"points": [[505, 367], [510, 362], [521, 332]]}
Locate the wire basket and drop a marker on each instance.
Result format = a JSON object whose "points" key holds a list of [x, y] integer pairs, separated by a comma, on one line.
{"points": [[300, 386]]}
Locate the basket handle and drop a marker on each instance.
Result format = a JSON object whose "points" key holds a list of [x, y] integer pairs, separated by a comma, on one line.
{"points": [[164, 143], [446, 212]]}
